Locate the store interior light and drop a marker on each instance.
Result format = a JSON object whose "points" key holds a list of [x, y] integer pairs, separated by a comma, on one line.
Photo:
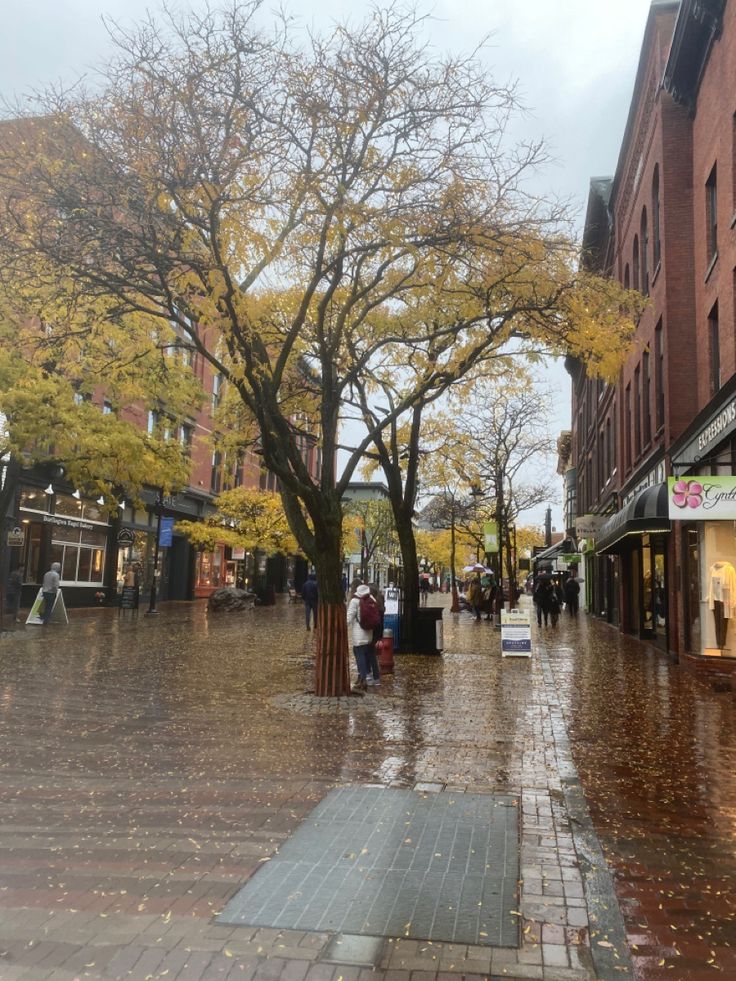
{"points": [[77, 495], [49, 489], [122, 506]]}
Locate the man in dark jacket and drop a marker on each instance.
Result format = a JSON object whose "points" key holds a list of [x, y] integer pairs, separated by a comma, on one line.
{"points": [[310, 595], [572, 595]]}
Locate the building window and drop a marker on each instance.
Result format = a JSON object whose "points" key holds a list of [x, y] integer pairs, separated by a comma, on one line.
{"points": [[216, 475], [154, 419], [635, 262], [715, 350], [186, 435], [644, 253], [646, 411], [216, 391], [107, 408], [637, 412], [656, 232], [609, 449], [659, 375], [628, 426], [711, 214], [627, 278]]}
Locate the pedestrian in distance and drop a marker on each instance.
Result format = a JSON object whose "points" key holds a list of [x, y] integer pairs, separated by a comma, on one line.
{"points": [[556, 602], [13, 589], [310, 595], [572, 596], [424, 589], [345, 584], [361, 631], [543, 593], [49, 588]]}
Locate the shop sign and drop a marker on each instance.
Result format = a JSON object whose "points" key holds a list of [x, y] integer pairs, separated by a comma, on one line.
{"points": [[55, 519], [516, 633], [15, 538], [126, 537], [574, 559], [238, 552], [702, 498], [589, 525], [490, 536], [391, 598]]}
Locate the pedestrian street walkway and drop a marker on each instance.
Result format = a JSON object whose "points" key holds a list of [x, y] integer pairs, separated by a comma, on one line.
{"points": [[168, 788]]}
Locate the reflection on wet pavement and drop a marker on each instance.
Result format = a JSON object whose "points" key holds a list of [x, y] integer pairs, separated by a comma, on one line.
{"points": [[118, 730]]}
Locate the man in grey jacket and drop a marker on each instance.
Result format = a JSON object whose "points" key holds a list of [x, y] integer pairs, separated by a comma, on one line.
{"points": [[50, 588]]}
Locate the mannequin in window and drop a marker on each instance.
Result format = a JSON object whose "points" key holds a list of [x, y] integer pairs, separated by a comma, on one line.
{"points": [[722, 597]]}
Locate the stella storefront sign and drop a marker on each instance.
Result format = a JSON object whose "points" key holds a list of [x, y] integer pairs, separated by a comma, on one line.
{"points": [[702, 498]]}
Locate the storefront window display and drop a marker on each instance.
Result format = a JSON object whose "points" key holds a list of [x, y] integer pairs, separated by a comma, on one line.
{"points": [[210, 571], [60, 528]]}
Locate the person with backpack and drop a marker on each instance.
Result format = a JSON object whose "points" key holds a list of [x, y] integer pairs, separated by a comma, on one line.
{"points": [[363, 617]]}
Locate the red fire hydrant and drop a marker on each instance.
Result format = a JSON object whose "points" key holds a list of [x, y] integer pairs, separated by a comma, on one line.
{"points": [[385, 651]]}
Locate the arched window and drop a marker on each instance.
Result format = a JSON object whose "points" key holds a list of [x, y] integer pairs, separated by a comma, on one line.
{"points": [[635, 262], [656, 239], [644, 253], [627, 278]]}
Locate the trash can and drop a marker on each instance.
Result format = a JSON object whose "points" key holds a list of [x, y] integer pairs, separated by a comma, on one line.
{"points": [[429, 630]]}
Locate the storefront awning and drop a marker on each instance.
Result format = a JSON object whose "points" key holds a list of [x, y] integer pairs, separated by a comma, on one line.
{"points": [[647, 513], [565, 547]]}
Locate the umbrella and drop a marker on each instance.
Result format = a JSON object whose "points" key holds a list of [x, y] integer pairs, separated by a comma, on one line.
{"points": [[477, 567]]}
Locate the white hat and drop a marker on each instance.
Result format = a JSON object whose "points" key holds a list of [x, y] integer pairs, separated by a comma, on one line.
{"points": [[363, 591]]}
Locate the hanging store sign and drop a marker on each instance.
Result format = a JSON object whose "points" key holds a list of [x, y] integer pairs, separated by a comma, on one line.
{"points": [[702, 498], [490, 536], [15, 538], [589, 525]]}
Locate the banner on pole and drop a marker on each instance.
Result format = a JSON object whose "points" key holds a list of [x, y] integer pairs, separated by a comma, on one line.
{"points": [[490, 536]]}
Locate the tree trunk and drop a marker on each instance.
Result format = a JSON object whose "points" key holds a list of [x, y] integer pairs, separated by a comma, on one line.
{"points": [[455, 607], [332, 666], [408, 546]]}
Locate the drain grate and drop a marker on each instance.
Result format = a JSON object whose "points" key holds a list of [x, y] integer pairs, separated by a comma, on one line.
{"points": [[394, 863]]}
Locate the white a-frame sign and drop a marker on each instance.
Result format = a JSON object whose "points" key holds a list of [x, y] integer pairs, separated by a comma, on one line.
{"points": [[58, 614]]}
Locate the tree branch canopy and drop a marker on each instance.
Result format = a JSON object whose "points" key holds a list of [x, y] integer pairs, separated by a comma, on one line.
{"points": [[316, 215]]}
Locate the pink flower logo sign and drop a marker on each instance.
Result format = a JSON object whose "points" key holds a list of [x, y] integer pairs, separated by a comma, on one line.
{"points": [[687, 493]]}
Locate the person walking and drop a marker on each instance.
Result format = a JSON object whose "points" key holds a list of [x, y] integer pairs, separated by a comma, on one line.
{"points": [[362, 636], [424, 589], [542, 600], [49, 588], [310, 595], [374, 671], [474, 597], [572, 596], [13, 589]]}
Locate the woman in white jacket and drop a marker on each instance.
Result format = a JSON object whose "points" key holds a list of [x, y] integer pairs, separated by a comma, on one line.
{"points": [[362, 639]]}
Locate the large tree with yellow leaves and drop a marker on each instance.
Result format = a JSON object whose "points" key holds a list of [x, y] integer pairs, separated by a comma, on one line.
{"points": [[315, 213]]}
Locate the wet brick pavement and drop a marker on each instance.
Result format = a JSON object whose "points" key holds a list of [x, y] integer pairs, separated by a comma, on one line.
{"points": [[149, 768]]}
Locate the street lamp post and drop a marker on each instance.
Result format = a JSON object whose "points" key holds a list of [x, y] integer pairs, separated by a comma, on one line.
{"points": [[158, 506]]}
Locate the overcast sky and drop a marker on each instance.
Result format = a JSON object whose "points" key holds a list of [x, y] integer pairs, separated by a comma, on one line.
{"points": [[574, 61]]}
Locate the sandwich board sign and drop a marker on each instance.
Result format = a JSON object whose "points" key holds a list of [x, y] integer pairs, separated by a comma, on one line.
{"points": [[58, 614], [516, 633]]}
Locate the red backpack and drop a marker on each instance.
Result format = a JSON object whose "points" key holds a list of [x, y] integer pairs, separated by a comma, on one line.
{"points": [[369, 616]]}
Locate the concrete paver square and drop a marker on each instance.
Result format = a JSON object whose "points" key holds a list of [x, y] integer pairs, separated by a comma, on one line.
{"points": [[390, 862]]}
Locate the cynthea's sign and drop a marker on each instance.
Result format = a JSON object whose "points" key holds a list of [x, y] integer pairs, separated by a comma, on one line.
{"points": [[702, 498]]}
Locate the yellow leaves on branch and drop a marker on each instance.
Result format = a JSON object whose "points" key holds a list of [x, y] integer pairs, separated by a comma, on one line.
{"points": [[250, 519]]}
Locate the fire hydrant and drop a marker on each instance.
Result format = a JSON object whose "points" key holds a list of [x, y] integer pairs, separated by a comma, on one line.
{"points": [[385, 651]]}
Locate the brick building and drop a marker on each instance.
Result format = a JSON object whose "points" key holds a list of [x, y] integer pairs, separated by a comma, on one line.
{"points": [[663, 225], [95, 545]]}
